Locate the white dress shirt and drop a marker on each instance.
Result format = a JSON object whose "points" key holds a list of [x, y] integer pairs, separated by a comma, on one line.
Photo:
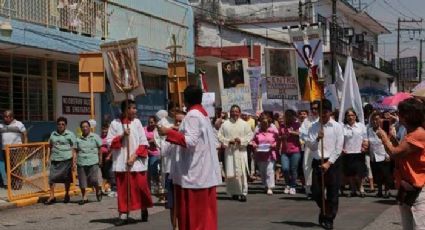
{"points": [[353, 137], [333, 140], [376, 148], [305, 126]]}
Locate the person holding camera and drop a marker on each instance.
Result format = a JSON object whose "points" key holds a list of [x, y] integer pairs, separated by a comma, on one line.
{"points": [[410, 163], [380, 160]]}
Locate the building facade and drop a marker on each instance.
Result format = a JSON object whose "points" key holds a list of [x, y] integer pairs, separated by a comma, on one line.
{"points": [[358, 33], [39, 55]]}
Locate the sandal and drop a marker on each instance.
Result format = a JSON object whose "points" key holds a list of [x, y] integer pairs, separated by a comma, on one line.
{"points": [[50, 201]]}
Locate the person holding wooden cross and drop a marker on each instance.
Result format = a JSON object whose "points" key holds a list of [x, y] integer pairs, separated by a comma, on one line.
{"points": [[129, 129], [326, 139]]}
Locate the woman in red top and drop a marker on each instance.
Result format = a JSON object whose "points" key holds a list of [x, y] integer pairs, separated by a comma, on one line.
{"points": [[291, 148], [264, 144], [410, 163]]}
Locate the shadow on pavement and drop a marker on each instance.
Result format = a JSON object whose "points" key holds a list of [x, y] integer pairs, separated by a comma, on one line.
{"points": [[224, 198], [112, 221], [387, 202], [294, 198], [302, 224]]}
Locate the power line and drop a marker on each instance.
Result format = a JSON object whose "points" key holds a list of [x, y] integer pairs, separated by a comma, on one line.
{"points": [[404, 6]]}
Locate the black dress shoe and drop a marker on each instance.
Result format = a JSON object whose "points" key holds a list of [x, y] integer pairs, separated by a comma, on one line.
{"points": [[379, 195], [99, 196], [50, 201], [362, 195], [145, 215], [327, 224], [121, 222], [386, 195], [242, 198], [321, 219], [66, 199], [82, 202], [235, 197]]}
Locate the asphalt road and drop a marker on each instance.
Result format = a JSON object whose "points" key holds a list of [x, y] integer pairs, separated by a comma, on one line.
{"points": [[260, 212]]}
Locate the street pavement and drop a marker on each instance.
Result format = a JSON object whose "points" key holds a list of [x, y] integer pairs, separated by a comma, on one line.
{"points": [[263, 212]]}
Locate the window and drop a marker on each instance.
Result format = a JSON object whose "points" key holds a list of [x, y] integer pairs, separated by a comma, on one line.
{"points": [[67, 72], [324, 24], [4, 92], [22, 88]]}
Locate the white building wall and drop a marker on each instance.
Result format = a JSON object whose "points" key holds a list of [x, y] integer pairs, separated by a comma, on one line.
{"points": [[71, 89]]}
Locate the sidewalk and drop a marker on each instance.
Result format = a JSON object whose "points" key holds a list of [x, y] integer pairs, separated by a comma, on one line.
{"points": [[4, 204]]}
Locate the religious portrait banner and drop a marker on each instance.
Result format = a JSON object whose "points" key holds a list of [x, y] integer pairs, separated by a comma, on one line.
{"points": [[281, 74], [122, 68], [308, 47]]}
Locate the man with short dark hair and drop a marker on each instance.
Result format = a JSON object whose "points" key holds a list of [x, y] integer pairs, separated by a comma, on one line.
{"points": [[330, 132], [195, 170], [12, 132]]}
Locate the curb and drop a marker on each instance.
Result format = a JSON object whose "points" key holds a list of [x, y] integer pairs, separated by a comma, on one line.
{"points": [[34, 200]]}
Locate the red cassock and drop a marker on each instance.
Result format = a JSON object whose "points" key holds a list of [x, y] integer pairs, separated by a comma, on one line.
{"points": [[196, 207], [140, 196]]}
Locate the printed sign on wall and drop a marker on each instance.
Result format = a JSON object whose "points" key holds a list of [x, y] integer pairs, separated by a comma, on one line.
{"points": [[75, 105]]}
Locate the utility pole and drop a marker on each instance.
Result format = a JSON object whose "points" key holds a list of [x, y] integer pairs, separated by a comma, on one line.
{"points": [[333, 40], [399, 29], [300, 12], [398, 55], [420, 60]]}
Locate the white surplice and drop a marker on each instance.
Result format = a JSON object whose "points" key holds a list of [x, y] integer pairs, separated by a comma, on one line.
{"points": [[236, 156], [137, 137]]}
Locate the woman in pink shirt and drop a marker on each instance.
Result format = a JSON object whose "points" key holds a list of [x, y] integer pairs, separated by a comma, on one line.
{"points": [[154, 154], [290, 150], [264, 143]]}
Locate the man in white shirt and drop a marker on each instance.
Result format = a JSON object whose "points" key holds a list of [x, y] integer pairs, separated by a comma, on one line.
{"points": [[307, 156], [195, 169], [329, 132], [12, 132]]}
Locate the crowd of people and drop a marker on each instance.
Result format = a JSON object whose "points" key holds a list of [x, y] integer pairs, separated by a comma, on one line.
{"points": [[189, 154]]}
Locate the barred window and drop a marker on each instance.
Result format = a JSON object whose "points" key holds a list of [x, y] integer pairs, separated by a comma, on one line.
{"points": [[67, 72], [22, 88]]}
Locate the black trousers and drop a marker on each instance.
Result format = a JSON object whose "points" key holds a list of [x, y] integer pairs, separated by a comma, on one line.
{"points": [[382, 174], [332, 184]]}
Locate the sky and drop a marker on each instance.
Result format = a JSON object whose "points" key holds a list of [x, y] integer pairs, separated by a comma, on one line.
{"points": [[387, 13]]}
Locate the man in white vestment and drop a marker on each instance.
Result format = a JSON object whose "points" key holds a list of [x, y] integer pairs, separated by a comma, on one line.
{"points": [[235, 135]]}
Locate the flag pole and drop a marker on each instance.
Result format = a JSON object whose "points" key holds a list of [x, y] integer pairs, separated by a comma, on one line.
{"points": [[128, 157]]}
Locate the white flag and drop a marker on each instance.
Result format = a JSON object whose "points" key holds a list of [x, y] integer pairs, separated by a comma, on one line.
{"points": [[339, 83], [350, 93]]}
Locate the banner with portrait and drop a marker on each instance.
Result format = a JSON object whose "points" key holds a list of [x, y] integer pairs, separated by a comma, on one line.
{"points": [[281, 74], [122, 68], [234, 84], [308, 46]]}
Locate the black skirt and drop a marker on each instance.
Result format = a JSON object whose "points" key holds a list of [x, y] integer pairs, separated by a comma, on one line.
{"points": [[60, 171], [354, 165]]}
